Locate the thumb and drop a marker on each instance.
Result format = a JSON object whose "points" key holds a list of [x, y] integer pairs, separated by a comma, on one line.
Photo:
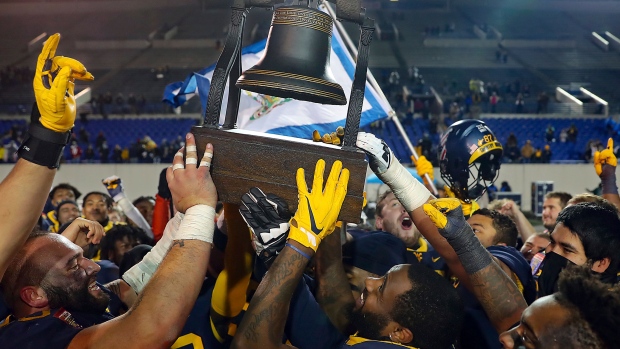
{"points": [[438, 218], [610, 144], [597, 156]]}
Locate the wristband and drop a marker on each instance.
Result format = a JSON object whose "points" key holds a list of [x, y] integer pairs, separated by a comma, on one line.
{"points": [[120, 196], [298, 251], [43, 146], [473, 256], [139, 275], [409, 191], [198, 224]]}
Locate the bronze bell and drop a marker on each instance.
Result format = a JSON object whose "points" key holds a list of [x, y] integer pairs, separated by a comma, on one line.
{"points": [[296, 60]]}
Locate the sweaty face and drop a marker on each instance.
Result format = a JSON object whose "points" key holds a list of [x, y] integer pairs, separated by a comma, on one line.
{"points": [[372, 308], [67, 213], [551, 209], [62, 194], [568, 245], [539, 322], [533, 245], [394, 219], [146, 210], [95, 208], [483, 228], [70, 279]]}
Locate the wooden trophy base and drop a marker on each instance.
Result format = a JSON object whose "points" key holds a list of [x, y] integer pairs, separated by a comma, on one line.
{"points": [[245, 159]]}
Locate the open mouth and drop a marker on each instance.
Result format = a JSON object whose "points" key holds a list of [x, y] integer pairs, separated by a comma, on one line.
{"points": [[93, 287], [406, 223], [361, 300]]}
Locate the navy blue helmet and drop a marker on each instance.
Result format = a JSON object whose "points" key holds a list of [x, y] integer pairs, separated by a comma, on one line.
{"points": [[469, 158]]}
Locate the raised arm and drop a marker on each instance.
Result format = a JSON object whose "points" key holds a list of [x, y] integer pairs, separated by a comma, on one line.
{"points": [[114, 186], [163, 305], [605, 163], [93, 232], [263, 324], [496, 292], [333, 291], [524, 227], [25, 189], [412, 195]]}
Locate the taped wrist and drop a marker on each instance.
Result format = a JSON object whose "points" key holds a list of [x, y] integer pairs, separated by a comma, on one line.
{"points": [[198, 224], [473, 256], [43, 146], [608, 179], [408, 190], [139, 275]]}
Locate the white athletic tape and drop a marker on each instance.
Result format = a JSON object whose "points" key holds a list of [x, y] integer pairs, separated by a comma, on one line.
{"points": [[190, 148], [191, 161], [178, 154], [208, 155], [178, 166], [205, 163]]}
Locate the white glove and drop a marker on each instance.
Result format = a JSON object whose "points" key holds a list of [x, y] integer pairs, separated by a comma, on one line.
{"points": [[409, 191], [196, 224]]}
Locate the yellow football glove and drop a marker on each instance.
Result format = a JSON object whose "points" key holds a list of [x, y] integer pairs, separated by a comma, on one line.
{"points": [[423, 166], [318, 210], [54, 87], [447, 216], [606, 156], [468, 207], [438, 209]]}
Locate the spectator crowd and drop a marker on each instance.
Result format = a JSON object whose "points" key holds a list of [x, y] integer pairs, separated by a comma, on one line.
{"points": [[182, 269]]}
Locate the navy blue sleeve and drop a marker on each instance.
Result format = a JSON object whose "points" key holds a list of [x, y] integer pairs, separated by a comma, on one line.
{"points": [[48, 332], [307, 326]]}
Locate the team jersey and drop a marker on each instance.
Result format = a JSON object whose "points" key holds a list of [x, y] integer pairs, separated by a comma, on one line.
{"points": [[198, 331], [50, 329], [478, 332], [363, 343], [428, 256], [307, 326]]}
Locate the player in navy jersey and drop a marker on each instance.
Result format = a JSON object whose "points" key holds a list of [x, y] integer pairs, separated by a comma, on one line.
{"points": [[55, 302], [389, 309], [498, 234]]}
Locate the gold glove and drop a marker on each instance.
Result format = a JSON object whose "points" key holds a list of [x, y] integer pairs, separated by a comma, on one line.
{"points": [[468, 207], [606, 156], [423, 166], [318, 210], [54, 86]]}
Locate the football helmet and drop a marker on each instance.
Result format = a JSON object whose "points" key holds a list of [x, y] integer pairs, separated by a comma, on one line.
{"points": [[469, 158]]}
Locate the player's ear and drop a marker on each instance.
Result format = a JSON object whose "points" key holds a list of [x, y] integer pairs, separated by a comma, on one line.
{"points": [[402, 335], [34, 296], [378, 222]]}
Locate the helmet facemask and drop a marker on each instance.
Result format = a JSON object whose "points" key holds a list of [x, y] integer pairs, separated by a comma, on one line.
{"points": [[481, 176]]}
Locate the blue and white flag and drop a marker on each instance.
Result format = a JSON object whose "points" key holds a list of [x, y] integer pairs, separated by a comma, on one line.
{"points": [[285, 116]]}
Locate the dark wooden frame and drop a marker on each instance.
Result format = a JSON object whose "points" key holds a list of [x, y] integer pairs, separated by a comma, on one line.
{"points": [[245, 159]]}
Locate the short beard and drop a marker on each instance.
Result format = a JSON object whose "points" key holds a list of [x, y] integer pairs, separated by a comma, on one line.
{"points": [[75, 300], [550, 227], [369, 325]]}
